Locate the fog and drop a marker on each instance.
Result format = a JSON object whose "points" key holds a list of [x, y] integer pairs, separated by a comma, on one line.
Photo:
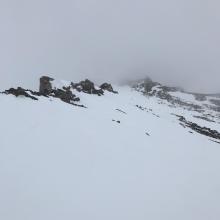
{"points": [[174, 41]]}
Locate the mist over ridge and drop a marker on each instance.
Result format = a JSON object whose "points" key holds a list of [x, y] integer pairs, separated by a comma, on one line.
{"points": [[175, 42]]}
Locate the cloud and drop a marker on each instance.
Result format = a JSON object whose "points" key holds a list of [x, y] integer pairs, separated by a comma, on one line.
{"points": [[173, 41]]}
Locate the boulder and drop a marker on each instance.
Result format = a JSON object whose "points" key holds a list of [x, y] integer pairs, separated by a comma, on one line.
{"points": [[87, 86], [108, 87], [65, 95], [45, 85]]}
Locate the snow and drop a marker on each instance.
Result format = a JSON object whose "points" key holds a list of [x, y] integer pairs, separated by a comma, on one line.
{"points": [[60, 83], [58, 161], [184, 96]]}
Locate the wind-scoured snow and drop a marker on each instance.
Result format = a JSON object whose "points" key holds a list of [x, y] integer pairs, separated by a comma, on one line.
{"points": [[111, 160]]}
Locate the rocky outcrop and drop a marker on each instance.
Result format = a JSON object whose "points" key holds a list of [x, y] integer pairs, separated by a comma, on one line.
{"points": [[151, 88], [46, 90], [20, 92], [164, 95], [201, 130], [108, 87], [65, 95], [45, 85], [87, 86], [145, 85]]}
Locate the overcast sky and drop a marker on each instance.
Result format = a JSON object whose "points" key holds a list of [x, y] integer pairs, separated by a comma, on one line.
{"points": [[176, 41]]}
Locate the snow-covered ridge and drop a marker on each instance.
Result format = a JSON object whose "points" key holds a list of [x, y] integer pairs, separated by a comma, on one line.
{"points": [[85, 151], [199, 106], [207, 105]]}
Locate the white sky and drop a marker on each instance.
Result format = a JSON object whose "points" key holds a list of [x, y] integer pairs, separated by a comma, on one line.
{"points": [[176, 41]]}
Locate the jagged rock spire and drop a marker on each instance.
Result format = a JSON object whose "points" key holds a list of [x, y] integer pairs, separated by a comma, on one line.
{"points": [[45, 85]]}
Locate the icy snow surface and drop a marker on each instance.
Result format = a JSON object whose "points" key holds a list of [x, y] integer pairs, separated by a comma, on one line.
{"points": [[61, 162]]}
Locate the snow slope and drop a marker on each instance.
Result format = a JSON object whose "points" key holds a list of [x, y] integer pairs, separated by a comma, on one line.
{"points": [[58, 161]]}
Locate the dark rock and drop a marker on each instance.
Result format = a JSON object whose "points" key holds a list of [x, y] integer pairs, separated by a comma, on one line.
{"points": [[34, 92], [45, 85], [87, 86], [76, 99], [201, 130], [65, 95], [46, 90], [116, 121], [119, 110], [140, 107], [108, 87], [147, 84], [164, 95], [66, 88], [20, 92], [98, 92], [76, 86]]}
